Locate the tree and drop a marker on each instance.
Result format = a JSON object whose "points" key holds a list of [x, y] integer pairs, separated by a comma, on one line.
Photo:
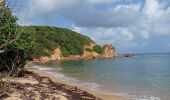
{"points": [[9, 31], [15, 44]]}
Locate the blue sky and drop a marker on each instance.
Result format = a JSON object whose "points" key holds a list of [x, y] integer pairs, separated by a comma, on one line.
{"points": [[132, 26]]}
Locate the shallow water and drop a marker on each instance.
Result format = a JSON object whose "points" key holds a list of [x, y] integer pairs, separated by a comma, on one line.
{"points": [[143, 77]]}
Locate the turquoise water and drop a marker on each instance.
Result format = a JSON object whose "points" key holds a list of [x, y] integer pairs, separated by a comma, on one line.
{"points": [[143, 77]]}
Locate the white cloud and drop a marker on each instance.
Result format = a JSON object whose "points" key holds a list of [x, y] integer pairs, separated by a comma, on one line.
{"points": [[145, 34], [83, 13], [107, 35], [153, 8], [101, 1], [119, 23], [135, 7], [46, 7]]}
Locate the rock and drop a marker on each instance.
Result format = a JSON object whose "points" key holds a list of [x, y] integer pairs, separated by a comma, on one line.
{"points": [[90, 55], [56, 55], [109, 51], [72, 57], [125, 55], [46, 80], [44, 59]]}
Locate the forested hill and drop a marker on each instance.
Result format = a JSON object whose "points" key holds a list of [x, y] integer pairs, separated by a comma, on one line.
{"points": [[49, 38]]}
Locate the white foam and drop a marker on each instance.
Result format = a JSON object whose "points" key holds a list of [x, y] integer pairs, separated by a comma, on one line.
{"points": [[135, 97], [43, 68]]}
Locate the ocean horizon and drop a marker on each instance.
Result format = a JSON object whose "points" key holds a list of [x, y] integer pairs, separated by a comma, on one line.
{"points": [[143, 77]]}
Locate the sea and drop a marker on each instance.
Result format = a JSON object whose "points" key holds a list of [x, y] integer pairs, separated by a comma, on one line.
{"points": [[142, 77]]}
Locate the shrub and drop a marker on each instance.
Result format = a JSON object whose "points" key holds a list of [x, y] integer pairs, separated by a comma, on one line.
{"points": [[98, 49], [89, 50], [15, 44]]}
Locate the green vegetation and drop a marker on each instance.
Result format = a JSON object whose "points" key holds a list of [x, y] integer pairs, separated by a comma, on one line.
{"points": [[44, 38], [15, 44], [89, 50], [98, 49], [49, 38]]}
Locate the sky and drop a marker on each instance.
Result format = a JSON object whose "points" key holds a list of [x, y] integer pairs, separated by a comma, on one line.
{"points": [[132, 26]]}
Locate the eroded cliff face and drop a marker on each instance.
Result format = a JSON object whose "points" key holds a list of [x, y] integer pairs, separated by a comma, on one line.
{"points": [[55, 56], [86, 54], [90, 55], [109, 52]]}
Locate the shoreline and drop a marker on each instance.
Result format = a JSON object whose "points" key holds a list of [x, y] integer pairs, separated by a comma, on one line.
{"points": [[98, 94]]}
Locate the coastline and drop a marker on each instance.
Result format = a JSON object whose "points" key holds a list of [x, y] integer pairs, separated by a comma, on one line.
{"points": [[55, 79]]}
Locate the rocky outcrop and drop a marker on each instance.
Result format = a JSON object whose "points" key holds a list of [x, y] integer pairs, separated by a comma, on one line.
{"points": [[90, 55], [109, 51], [72, 57], [55, 56], [86, 54], [42, 59]]}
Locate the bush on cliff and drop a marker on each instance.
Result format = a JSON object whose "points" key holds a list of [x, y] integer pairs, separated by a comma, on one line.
{"points": [[98, 49], [15, 44], [89, 50]]}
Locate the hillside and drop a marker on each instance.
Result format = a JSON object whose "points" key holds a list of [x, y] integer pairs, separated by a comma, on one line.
{"points": [[49, 38]]}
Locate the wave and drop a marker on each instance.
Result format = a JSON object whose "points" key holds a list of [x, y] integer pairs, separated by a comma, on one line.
{"points": [[93, 86]]}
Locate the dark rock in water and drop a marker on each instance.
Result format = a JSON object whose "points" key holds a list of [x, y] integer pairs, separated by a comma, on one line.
{"points": [[125, 55]]}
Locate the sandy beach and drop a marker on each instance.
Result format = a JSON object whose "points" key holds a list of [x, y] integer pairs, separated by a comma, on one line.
{"points": [[35, 84], [98, 95]]}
